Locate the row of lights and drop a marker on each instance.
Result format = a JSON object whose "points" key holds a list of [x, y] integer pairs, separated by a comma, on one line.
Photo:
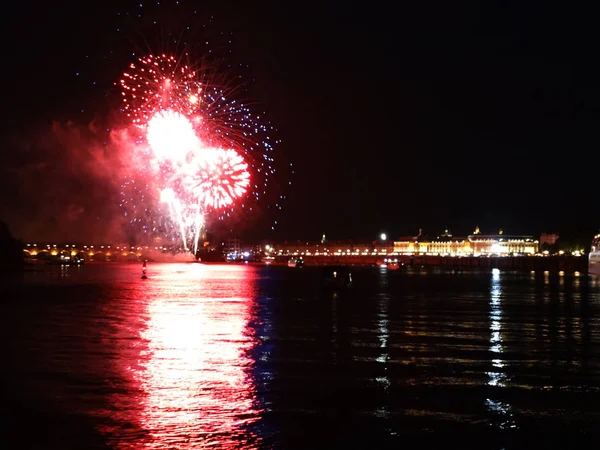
{"points": [[101, 246]]}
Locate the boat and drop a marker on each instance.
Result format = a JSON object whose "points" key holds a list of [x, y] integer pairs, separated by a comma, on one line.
{"points": [[337, 278], [391, 264], [594, 258], [66, 260], [296, 262]]}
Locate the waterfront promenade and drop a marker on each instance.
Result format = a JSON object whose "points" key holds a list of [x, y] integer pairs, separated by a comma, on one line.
{"points": [[105, 253]]}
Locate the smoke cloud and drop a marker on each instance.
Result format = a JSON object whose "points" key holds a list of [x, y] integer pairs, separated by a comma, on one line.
{"points": [[62, 184]]}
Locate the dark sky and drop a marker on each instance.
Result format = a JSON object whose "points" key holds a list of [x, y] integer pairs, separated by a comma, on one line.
{"points": [[395, 117]]}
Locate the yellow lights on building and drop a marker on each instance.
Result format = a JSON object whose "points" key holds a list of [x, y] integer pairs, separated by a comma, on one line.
{"points": [[473, 245], [476, 244], [442, 248]]}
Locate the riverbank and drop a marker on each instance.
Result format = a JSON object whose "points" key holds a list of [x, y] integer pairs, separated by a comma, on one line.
{"points": [[549, 263]]}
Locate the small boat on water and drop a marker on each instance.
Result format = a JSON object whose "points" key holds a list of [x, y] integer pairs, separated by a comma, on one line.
{"points": [[391, 264], [296, 262], [337, 277], [66, 260]]}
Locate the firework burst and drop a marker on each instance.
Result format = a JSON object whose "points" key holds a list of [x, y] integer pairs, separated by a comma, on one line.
{"points": [[171, 137], [163, 101], [183, 106], [216, 178], [156, 83], [187, 124]]}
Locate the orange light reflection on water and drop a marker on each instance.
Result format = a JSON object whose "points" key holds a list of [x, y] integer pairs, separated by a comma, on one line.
{"points": [[193, 373]]}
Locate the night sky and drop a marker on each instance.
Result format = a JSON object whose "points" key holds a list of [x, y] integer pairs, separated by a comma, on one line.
{"points": [[395, 118]]}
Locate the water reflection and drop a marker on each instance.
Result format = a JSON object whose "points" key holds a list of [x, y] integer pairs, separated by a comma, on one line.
{"points": [[497, 376], [383, 334], [194, 371], [383, 304], [203, 355], [334, 326]]}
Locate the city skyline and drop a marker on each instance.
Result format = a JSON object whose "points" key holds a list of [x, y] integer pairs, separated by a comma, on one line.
{"points": [[388, 129], [390, 234]]}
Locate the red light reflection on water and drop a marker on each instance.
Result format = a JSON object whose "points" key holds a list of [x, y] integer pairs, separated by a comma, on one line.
{"points": [[196, 390]]}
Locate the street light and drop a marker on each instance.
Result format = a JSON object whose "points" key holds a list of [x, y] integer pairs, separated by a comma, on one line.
{"points": [[383, 237]]}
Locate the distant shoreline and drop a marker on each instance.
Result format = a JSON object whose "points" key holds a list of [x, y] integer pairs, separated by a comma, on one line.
{"points": [[522, 264]]}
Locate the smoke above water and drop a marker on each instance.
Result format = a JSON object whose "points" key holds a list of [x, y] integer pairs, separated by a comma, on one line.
{"points": [[61, 184]]}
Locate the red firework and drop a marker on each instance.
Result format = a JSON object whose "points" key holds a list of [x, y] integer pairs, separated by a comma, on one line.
{"points": [[156, 83], [216, 177]]}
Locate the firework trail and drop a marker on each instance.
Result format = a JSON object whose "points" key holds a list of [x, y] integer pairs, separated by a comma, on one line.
{"points": [[180, 125], [181, 69], [214, 179]]}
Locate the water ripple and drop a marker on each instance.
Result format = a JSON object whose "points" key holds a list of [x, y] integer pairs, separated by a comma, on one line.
{"points": [[232, 356]]}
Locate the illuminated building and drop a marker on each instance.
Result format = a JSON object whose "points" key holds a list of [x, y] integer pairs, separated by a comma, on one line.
{"points": [[475, 244], [232, 248], [594, 258], [446, 244]]}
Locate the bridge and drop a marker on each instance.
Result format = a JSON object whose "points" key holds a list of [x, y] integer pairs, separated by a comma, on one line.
{"points": [[96, 252]]}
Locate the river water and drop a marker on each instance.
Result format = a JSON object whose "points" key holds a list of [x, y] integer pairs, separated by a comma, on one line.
{"points": [[238, 356]]}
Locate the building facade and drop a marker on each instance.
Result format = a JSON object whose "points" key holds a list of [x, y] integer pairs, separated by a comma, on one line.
{"points": [[476, 244], [472, 245]]}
